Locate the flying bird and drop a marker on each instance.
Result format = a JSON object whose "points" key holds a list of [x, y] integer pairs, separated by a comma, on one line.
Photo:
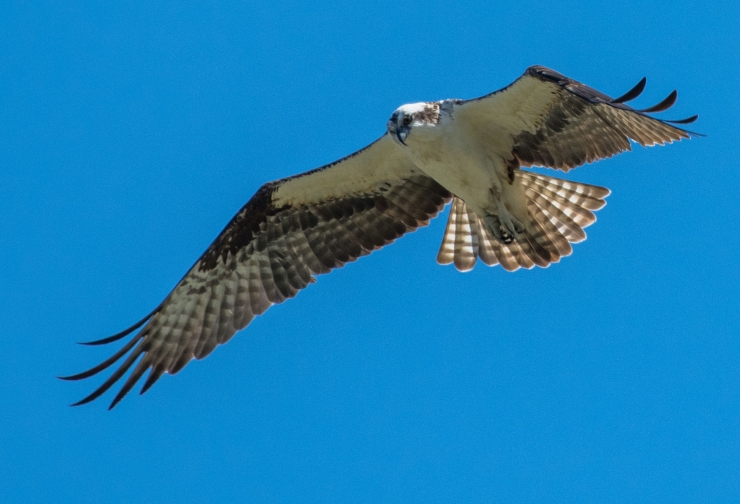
{"points": [[470, 152]]}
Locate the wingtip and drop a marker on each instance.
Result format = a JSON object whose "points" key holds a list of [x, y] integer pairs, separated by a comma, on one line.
{"points": [[688, 120], [67, 378], [154, 375], [632, 93], [120, 395], [122, 334], [103, 341], [83, 401], [665, 104]]}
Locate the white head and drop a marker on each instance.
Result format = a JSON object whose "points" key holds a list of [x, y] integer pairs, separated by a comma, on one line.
{"points": [[412, 115]]}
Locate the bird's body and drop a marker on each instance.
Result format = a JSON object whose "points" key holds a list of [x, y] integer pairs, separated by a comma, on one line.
{"points": [[470, 152], [435, 146], [482, 178]]}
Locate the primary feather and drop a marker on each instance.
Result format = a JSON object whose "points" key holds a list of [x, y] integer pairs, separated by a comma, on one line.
{"points": [[470, 152]]}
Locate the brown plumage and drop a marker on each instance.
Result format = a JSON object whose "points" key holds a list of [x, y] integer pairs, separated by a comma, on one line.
{"points": [[302, 226], [559, 210], [265, 255], [577, 124]]}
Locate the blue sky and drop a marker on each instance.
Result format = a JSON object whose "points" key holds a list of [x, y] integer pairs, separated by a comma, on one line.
{"points": [[130, 134]]}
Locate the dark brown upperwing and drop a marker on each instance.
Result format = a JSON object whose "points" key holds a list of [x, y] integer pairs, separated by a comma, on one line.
{"points": [[265, 255], [584, 125]]}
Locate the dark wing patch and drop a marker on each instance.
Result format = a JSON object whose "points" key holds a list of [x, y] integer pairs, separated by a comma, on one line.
{"points": [[583, 125], [264, 256], [242, 229]]}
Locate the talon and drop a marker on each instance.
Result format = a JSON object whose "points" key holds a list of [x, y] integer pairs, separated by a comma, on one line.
{"points": [[511, 226], [499, 229], [505, 236]]}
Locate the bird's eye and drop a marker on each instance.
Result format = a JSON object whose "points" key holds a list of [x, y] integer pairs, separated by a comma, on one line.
{"points": [[406, 120]]}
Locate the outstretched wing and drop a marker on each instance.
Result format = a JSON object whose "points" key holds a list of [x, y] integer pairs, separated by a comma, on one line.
{"points": [[546, 119], [289, 231]]}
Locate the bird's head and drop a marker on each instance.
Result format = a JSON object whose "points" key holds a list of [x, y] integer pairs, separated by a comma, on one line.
{"points": [[412, 116]]}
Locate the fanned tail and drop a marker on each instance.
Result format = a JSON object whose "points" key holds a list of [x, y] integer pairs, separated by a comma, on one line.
{"points": [[558, 212]]}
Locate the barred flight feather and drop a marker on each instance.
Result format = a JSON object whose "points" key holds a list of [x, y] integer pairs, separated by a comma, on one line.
{"points": [[558, 211], [241, 277], [301, 226], [571, 124]]}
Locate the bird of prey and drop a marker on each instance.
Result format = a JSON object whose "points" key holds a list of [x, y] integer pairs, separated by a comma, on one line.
{"points": [[470, 152]]}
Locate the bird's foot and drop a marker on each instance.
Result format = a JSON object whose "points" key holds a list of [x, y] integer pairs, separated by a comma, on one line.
{"points": [[505, 228]]}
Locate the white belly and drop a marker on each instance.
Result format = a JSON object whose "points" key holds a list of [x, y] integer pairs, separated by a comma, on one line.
{"points": [[469, 169], [466, 170]]}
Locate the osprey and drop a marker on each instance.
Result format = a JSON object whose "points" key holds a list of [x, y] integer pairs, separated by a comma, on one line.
{"points": [[468, 151]]}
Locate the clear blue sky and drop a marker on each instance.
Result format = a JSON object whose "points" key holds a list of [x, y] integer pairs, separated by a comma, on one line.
{"points": [[129, 135]]}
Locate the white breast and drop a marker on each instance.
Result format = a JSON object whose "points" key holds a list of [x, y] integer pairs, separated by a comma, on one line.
{"points": [[454, 157]]}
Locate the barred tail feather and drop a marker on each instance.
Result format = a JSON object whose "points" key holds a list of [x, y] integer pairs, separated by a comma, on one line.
{"points": [[558, 210], [464, 240]]}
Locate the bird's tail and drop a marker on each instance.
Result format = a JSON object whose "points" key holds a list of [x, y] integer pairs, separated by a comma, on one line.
{"points": [[558, 210]]}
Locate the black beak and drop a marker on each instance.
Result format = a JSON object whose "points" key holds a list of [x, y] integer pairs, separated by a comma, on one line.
{"points": [[401, 134]]}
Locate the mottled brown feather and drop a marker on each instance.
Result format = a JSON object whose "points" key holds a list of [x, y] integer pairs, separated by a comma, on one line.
{"points": [[561, 123], [558, 211], [253, 264], [302, 226]]}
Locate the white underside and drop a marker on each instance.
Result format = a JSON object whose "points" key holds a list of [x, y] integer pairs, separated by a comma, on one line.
{"points": [[464, 162]]}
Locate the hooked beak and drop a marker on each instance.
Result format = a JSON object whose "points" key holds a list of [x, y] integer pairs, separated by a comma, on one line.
{"points": [[399, 133]]}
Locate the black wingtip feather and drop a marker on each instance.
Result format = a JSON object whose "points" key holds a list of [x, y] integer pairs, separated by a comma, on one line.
{"points": [[632, 93], [111, 379], [154, 375], [122, 334], [139, 370], [664, 105], [688, 120], [105, 364]]}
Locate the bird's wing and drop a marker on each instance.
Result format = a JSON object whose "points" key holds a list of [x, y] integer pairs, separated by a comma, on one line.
{"points": [[289, 231], [546, 119]]}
